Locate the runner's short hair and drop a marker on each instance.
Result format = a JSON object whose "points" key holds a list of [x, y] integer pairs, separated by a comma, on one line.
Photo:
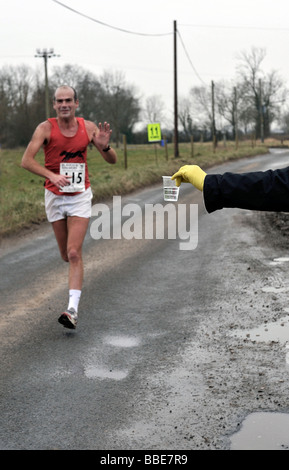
{"points": [[68, 86]]}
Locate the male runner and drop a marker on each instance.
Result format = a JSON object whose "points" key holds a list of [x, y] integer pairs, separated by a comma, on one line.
{"points": [[67, 187]]}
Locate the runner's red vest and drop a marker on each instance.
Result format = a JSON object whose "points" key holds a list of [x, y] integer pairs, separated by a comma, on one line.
{"points": [[67, 150]]}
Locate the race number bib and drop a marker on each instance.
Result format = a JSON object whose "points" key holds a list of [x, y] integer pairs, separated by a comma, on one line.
{"points": [[76, 173]]}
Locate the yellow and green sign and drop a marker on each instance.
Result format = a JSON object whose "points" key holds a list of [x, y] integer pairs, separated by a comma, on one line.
{"points": [[154, 132]]}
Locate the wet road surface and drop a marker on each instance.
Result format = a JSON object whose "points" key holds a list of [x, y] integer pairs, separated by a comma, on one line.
{"points": [[154, 362]]}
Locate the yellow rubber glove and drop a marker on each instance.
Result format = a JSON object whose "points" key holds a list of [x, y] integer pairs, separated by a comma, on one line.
{"points": [[190, 174]]}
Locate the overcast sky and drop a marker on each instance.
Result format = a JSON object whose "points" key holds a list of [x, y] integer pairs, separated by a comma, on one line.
{"points": [[213, 33]]}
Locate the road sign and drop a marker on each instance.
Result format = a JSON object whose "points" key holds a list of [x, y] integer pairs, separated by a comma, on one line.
{"points": [[154, 132]]}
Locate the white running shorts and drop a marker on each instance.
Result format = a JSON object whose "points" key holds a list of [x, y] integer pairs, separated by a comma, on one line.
{"points": [[61, 207]]}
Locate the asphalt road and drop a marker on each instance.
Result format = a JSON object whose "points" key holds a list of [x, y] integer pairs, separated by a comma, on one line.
{"points": [[153, 363]]}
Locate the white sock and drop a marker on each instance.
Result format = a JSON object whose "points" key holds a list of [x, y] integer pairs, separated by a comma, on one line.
{"points": [[74, 298]]}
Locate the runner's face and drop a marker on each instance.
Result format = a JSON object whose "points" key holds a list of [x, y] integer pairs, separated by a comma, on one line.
{"points": [[64, 103]]}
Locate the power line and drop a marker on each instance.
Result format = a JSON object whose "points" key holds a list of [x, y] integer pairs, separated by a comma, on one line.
{"points": [[189, 59], [108, 25], [132, 32]]}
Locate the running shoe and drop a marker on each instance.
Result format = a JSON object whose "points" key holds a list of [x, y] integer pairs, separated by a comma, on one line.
{"points": [[68, 318]]}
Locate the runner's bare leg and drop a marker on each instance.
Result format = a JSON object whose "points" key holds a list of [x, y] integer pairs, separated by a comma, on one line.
{"points": [[70, 234]]}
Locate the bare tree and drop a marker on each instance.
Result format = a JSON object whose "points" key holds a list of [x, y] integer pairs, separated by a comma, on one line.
{"points": [[154, 109], [264, 94], [203, 110], [119, 103], [22, 93], [185, 117], [16, 89], [201, 105]]}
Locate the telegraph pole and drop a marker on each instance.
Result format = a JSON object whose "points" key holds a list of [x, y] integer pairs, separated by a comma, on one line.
{"points": [[176, 136], [236, 118], [46, 54], [213, 117], [261, 113]]}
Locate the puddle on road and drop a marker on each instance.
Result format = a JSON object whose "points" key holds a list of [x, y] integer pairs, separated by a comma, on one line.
{"points": [[122, 341], [275, 290], [263, 431], [266, 430], [277, 331], [278, 261], [94, 372]]}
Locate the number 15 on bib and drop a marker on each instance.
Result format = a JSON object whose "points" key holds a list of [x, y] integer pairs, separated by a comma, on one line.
{"points": [[76, 173]]}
